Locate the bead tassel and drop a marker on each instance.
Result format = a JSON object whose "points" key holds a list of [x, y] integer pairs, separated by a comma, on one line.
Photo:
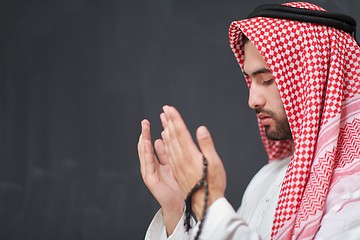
{"points": [[188, 202]]}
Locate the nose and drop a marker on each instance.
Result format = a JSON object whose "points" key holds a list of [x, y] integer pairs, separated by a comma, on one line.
{"points": [[256, 98]]}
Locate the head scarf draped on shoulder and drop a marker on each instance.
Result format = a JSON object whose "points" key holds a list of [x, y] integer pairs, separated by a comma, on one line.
{"points": [[316, 69]]}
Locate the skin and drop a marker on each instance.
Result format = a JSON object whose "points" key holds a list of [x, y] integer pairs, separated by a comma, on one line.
{"points": [[159, 177], [181, 164], [181, 167], [264, 95]]}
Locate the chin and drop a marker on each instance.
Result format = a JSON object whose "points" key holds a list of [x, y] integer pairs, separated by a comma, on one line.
{"points": [[277, 135]]}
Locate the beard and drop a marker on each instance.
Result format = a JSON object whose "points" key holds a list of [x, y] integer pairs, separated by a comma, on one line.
{"points": [[281, 131]]}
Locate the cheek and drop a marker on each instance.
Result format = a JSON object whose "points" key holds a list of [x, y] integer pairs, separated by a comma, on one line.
{"points": [[279, 109], [281, 114], [276, 99]]}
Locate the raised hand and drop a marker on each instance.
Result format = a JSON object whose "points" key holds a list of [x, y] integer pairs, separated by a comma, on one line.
{"points": [[186, 159], [159, 178]]}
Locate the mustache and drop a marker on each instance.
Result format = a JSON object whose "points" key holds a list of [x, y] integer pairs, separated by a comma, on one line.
{"points": [[263, 111]]}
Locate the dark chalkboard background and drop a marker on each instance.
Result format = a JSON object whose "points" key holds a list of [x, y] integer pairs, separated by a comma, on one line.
{"points": [[76, 79]]}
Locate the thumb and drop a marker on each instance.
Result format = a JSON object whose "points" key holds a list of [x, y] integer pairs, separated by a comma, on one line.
{"points": [[206, 143], [216, 173]]}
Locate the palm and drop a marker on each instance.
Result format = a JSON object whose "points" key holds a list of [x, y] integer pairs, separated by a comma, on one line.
{"points": [[164, 186]]}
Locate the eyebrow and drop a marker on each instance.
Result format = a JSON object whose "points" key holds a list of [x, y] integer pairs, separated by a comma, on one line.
{"points": [[260, 71]]}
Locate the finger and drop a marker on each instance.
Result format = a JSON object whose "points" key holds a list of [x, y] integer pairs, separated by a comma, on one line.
{"points": [[189, 169], [149, 160], [161, 151], [145, 129], [216, 172], [141, 152], [168, 150], [178, 130], [208, 150], [139, 146], [163, 120], [164, 139], [178, 127], [205, 142], [140, 139], [170, 141], [145, 134], [163, 134]]}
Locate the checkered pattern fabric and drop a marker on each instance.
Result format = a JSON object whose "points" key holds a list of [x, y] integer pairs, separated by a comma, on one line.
{"points": [[316, 69]]}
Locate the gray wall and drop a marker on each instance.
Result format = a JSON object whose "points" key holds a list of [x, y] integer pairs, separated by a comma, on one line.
{"points": [[76, 79]]}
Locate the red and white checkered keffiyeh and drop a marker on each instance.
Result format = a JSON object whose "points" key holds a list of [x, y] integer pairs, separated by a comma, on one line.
{"points": [[317, 72]]}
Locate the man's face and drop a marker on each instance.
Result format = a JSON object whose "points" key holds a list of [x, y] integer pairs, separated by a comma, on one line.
{"points": [[264, 95]]}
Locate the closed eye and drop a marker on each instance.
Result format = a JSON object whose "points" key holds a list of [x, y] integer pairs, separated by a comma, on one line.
{"points": [[268, 82]]}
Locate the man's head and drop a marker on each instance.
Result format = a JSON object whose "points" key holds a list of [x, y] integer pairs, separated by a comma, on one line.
{"points": [[264, 95]]}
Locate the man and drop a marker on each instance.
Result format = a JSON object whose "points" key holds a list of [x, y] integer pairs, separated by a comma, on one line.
{"points": [[304, 86]]}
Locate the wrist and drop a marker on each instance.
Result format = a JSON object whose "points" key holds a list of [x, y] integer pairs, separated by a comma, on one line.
{"points": [[172, 216]]}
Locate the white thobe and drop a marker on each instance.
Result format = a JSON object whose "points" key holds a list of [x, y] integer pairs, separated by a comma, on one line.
{"points": [[254, 218]]}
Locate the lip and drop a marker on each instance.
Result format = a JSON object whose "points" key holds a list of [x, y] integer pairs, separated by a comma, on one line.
{"points": [[264, 119]]}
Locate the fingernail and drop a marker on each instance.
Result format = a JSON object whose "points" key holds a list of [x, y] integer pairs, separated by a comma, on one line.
{"points": [[203, 133], [162, 117]]}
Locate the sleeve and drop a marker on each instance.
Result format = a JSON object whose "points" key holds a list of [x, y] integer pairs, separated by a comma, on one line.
{"points": [[157, 230], [222, 222]]}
